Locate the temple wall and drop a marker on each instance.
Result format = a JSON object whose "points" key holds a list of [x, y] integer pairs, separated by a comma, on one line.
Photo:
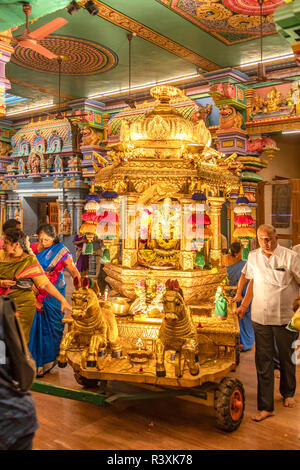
{"points": [[286, 164]]}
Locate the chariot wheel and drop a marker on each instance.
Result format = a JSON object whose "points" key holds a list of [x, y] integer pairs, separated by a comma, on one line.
{"points": [[86, 383], [229, 404]]}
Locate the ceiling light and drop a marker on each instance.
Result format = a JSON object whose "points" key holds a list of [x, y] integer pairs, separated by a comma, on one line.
{"points": [[272, 59], [142, 87], [26, 110], [291, 132], [91, 8], [73, 7]]}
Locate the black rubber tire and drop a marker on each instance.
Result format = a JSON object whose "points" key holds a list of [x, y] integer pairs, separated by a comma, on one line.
{"points": [[86, 383], [229, 404]]}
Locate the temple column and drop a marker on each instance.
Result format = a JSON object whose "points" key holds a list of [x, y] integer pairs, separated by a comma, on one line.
{"points": [[71, 206], [3, 207], [216, 204], [6, 50], [61, 214], [79, 204], [129, 236], [9, 209]]}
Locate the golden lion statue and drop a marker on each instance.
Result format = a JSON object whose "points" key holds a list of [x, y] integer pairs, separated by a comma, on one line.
{"points": [[177, 333], [91, 136], [4, 148], [93, 328], [230, 117]]}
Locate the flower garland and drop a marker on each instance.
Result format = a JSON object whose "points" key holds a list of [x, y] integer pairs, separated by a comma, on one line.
{"points": [[200, 221], [90, 220], [108, 221]]}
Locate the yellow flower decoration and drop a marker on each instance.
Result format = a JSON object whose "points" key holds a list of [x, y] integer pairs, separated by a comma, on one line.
{"points": [[213, 12], [270, 18], [244, 22]]}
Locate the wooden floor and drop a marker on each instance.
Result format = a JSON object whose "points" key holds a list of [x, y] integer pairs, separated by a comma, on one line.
{"points": [[160, 424]]}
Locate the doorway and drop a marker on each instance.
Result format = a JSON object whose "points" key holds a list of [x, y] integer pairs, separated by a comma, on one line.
{"points": [[40, 211]]}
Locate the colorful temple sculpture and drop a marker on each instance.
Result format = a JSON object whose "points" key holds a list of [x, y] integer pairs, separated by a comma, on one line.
{"points": [[47, 164], [6, 50]]}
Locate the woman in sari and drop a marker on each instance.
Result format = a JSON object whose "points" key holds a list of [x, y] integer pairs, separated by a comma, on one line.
{"points": [[234, 265], [47, 328], [19, 273]]}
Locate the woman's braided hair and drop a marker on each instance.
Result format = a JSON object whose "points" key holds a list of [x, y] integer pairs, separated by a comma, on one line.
{"points": [[15, 235]]}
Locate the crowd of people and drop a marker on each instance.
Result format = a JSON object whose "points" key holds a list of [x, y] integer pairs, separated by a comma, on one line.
{"points": [[31, 275]]}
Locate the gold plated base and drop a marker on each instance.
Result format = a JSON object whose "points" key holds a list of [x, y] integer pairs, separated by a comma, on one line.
{"points": [[197, 285]]}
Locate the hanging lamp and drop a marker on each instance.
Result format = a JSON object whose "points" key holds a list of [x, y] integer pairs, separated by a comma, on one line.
{"points": [[243, 222]]}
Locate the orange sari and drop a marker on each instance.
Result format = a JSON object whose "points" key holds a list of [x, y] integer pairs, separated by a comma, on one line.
{"points": [[24, 298]]}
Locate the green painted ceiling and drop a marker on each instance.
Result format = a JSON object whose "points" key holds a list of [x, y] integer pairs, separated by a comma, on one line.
{"points": [[167, 46]]}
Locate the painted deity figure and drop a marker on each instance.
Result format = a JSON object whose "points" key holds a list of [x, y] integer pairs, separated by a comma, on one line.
{"points": [[33, 164], [49, 163], [295, 98], [159, 241], [58, 166], [273, 100], [66, 223], [220, 304], [21, 167]]}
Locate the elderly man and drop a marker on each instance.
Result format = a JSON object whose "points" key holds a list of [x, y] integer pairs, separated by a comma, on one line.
{"points": [[274, 274]]}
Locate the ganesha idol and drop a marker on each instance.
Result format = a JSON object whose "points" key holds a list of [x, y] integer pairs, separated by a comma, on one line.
{"points": [[159, 242]]}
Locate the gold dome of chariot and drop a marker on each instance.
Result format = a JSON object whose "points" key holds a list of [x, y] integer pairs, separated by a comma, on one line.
{"points": [[164, 127]]}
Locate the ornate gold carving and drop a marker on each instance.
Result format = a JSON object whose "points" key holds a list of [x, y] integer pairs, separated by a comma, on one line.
{"points": [[92, 328], [177, 333], [186, 260], [129, 258]]}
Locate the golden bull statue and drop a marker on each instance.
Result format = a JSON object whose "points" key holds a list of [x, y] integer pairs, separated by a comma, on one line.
{"points": [[93, 327]]}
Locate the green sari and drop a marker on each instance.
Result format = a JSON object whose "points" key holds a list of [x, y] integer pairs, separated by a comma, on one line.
{"points": [[25, 300]]}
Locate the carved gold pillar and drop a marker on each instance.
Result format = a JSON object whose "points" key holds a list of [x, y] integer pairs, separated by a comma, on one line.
{"points": [[6, 50], [186, 259], [106, 118], [215, 217], [250, 92], [129, 237]]}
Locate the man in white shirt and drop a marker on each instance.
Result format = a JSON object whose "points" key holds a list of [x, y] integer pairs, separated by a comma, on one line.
{"points": [[274, 274]]}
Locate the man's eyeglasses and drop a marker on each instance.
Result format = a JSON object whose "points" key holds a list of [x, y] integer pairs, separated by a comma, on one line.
{"points": [[265, 239]]}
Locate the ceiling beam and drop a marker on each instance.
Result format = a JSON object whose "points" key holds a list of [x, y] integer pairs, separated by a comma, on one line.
{"points": [[48, 91]]}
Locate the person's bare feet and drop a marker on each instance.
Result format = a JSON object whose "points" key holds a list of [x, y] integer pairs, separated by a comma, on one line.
{"points": [[277, 373], [289, 402], [261, 415]]}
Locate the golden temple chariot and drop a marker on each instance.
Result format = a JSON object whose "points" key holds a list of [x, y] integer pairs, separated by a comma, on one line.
{"points": [[159, 323]]}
